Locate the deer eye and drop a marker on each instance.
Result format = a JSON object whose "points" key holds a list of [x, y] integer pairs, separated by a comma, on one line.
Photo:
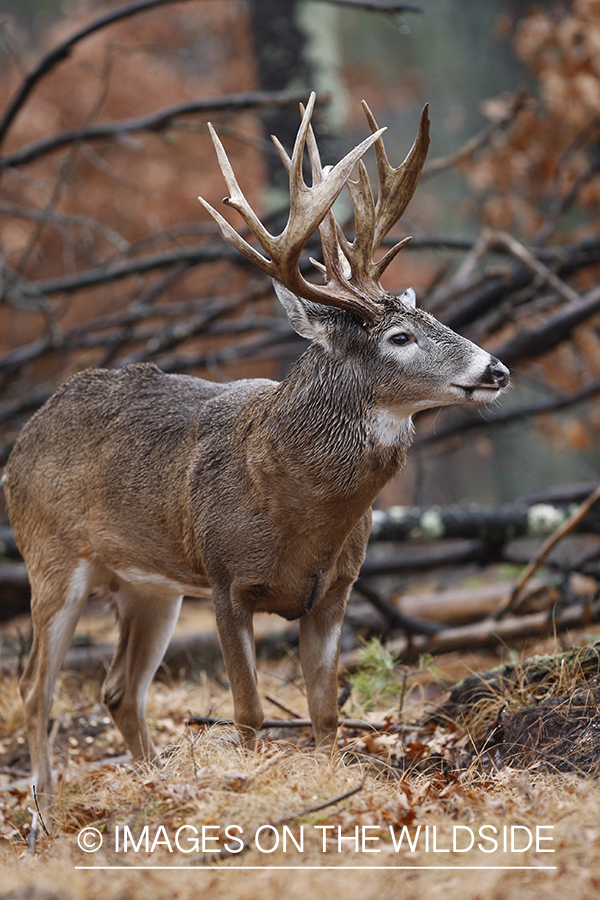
{"points": [[401, 338]]}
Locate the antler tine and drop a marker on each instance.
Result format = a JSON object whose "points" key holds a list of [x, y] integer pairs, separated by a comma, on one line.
{"points": [[359, 253], [396, 186], [239, 202], [283, 156], [372, 222], [328, 229], [308, 208]]}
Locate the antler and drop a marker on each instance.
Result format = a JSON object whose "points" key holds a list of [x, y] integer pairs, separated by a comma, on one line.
{"points": [[357, 291], [373, 222]]}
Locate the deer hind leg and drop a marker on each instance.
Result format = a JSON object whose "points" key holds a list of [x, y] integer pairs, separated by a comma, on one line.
{"points": [[56, 604], [146, 622], [320, 635]]}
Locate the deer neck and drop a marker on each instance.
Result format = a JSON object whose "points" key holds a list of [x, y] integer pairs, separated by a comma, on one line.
{"points": [[326, 437]]}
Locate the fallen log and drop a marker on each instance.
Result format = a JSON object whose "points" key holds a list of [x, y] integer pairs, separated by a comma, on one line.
{"points": [[186, 653], [487, 633], [494, 524], [510, 677], [462, 606]]}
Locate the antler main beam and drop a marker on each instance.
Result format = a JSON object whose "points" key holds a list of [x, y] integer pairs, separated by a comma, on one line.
{"points": [[358, 292]]}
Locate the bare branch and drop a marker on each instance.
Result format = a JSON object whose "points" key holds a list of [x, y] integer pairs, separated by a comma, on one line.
{"points": [[386, 6], [63, 50], [19, 289], [557, 328], [442, 163], [65, 220], [537, 268], [156, 121], [570, 524], [509, 416]]}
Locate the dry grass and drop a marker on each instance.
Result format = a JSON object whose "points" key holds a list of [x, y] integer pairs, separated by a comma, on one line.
{"points": [[208, 783]]}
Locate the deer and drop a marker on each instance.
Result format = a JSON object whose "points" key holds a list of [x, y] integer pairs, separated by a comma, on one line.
{"points": [[153, 486]]}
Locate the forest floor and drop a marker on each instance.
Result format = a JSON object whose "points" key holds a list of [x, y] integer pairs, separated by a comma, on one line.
{"points": [[425, 803]]}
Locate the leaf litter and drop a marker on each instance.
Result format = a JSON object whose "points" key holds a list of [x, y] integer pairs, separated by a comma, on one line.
{"points": [[402, 803]]}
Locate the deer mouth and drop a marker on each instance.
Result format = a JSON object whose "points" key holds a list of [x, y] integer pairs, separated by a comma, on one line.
{"points": [[470, 389]]}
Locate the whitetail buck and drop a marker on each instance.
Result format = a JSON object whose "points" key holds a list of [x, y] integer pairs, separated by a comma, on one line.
{"points": [[155, 485]]}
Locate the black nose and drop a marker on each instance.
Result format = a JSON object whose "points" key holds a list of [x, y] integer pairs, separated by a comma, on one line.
{"points": [[498, 372]]}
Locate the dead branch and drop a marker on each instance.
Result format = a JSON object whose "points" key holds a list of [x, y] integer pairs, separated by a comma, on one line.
{"points": [[556, 329], [278, 343], [277, 701], [575, 518], [471, 146], [155, 121], [326, 803], [121, 326], [387, 6], [495, 418], [535, 266], [19, 290], [63, 50], [495, 524], [471, 303], [487, 633], [354, 724], [65, 220], [463, 606], [459, 553], [395, 618]]}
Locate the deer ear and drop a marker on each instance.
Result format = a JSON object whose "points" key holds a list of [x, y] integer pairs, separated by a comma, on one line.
{"points": [[409, 298], [307, 318]]}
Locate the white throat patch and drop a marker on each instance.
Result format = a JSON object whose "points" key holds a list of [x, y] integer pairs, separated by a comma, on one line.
{"points": [[389, 427]]}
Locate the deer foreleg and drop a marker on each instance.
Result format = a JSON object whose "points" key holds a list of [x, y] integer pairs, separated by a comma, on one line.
{"points": [[236, 635], [320, 635]]}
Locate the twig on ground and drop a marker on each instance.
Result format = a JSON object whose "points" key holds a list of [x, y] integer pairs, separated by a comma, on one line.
{"points": [[358, 724], [313, 809], [283, 705]]}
